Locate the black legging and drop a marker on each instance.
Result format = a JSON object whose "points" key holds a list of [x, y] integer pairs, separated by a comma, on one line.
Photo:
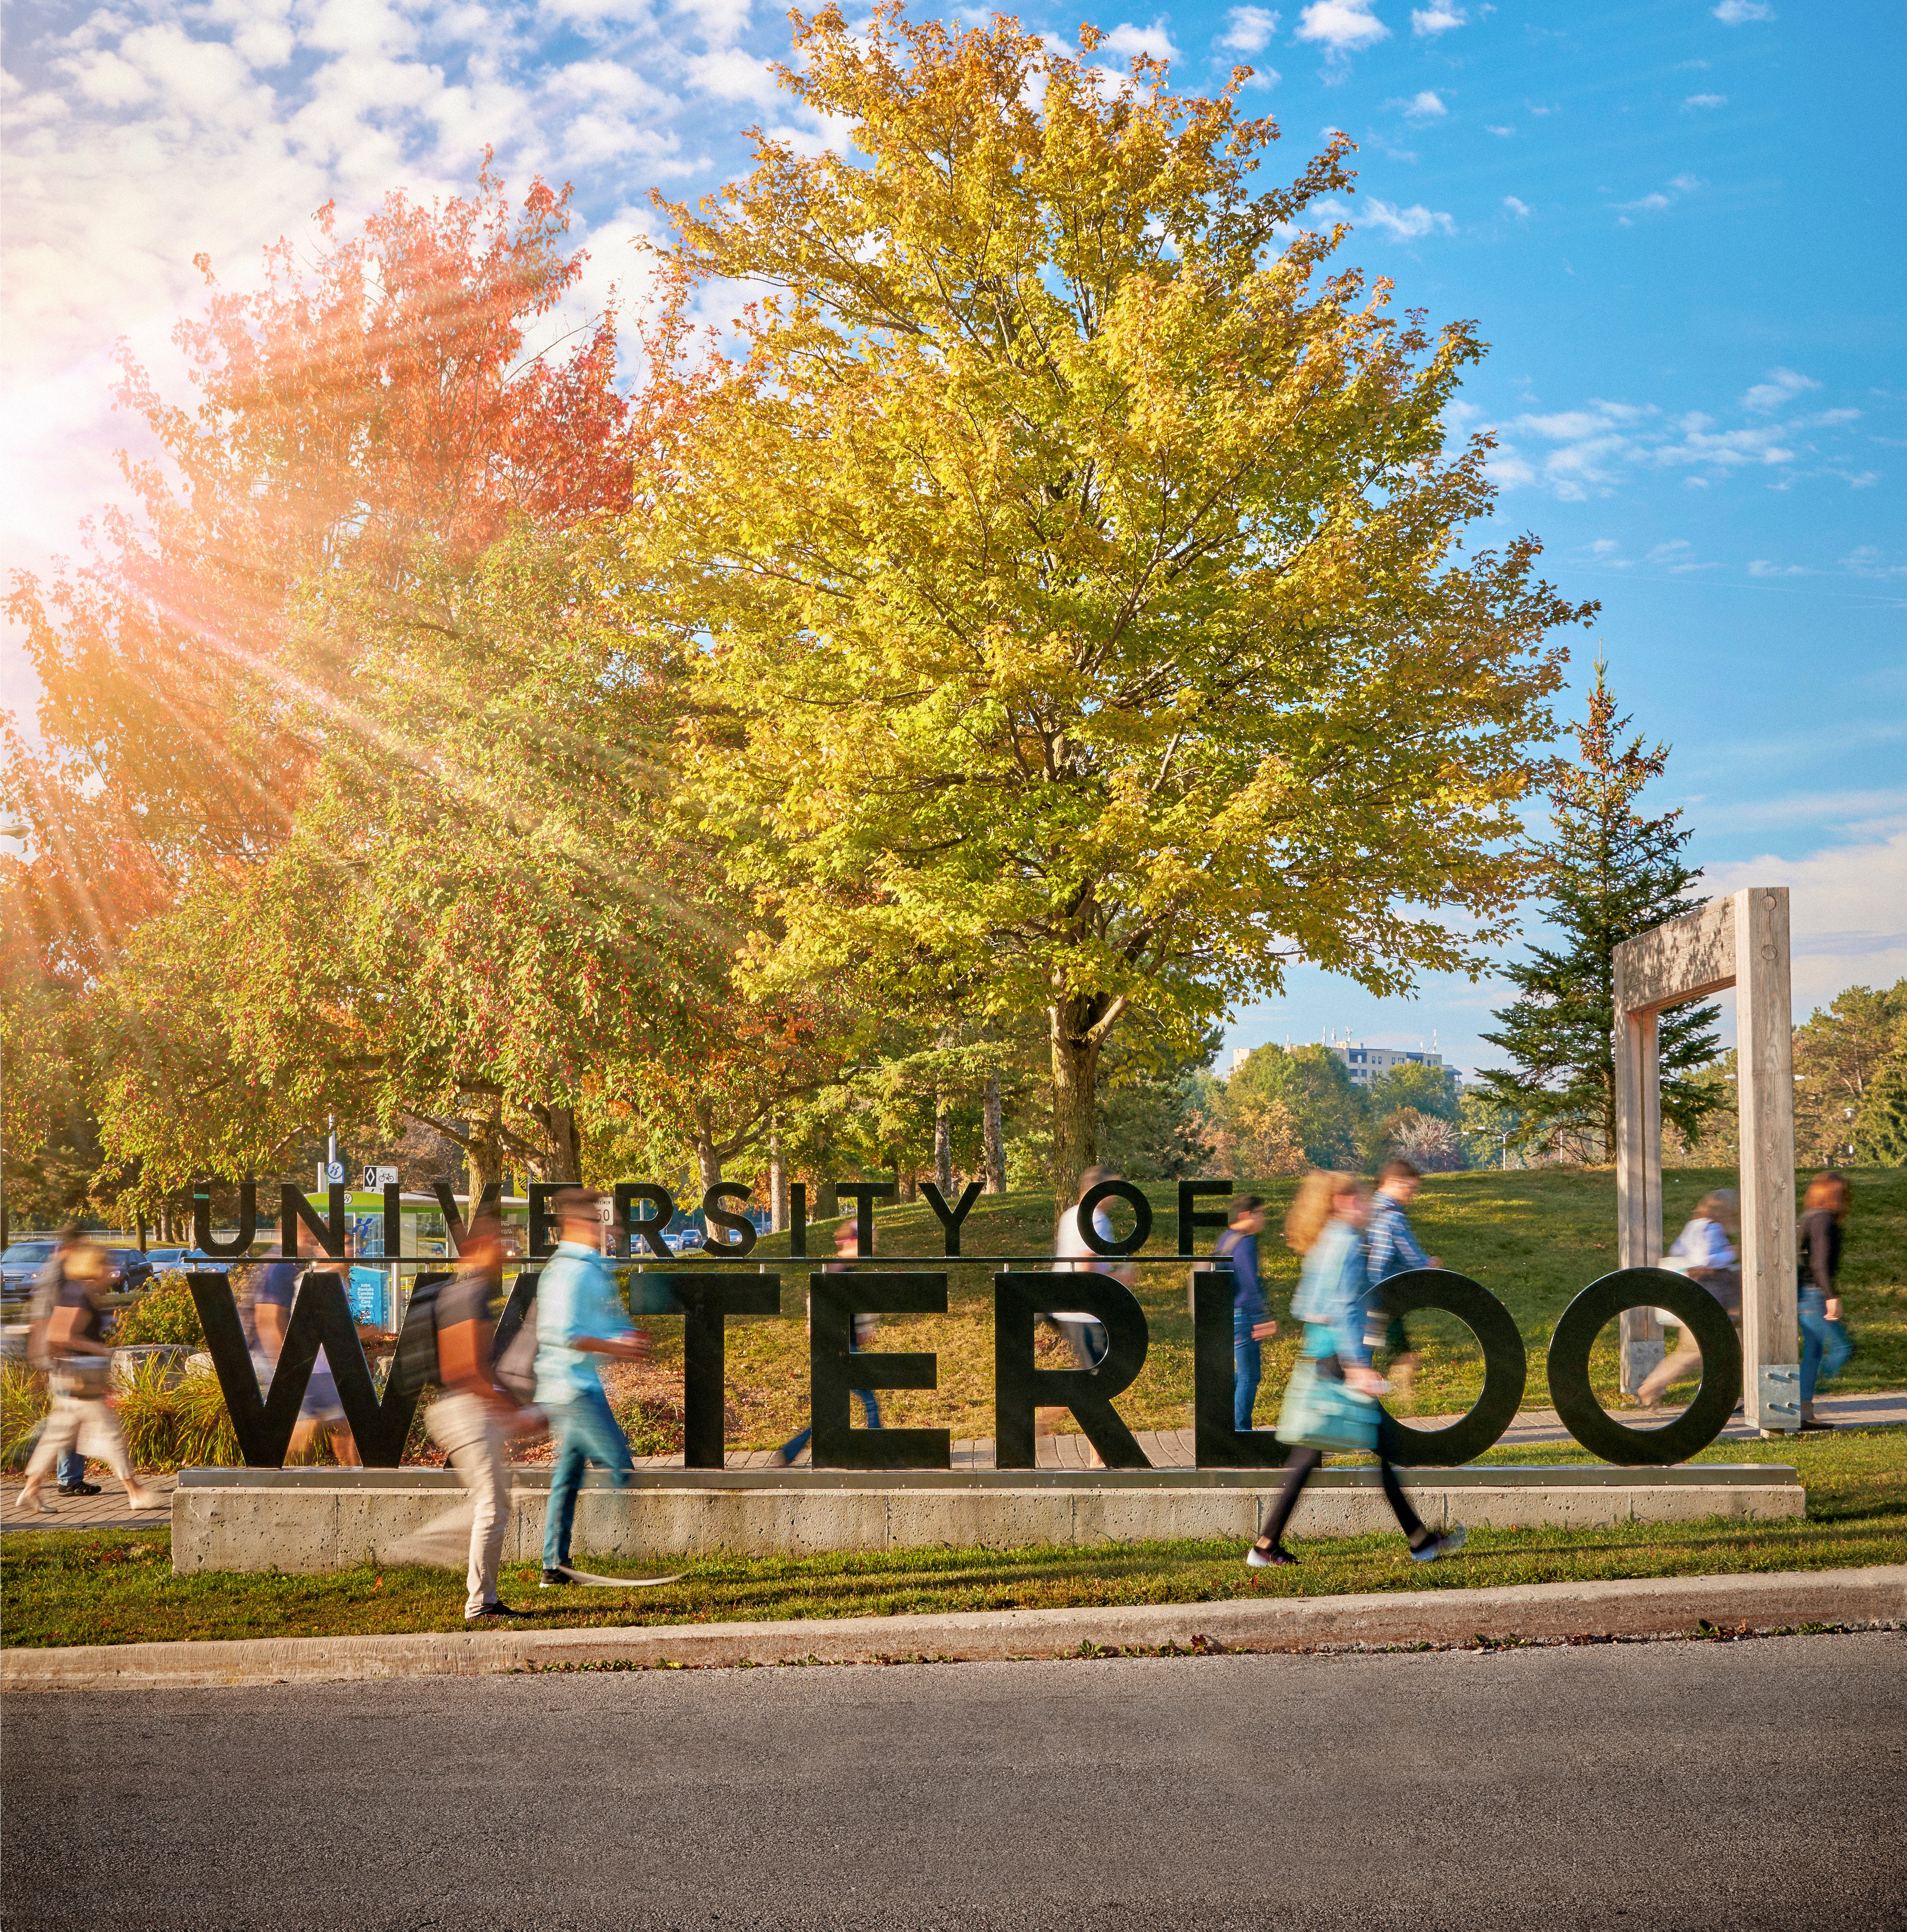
{"points": [[1298, 1471]]}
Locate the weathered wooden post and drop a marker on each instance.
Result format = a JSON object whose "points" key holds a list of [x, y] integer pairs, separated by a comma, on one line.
{"points": [[1740, 941]]}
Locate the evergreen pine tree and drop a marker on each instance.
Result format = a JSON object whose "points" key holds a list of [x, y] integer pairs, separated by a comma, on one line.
{"points": [[1612, 873]]}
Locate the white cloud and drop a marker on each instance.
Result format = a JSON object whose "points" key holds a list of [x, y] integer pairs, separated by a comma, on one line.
{"points": [[1248, 30], [1342, 27], [1847, 903], [1706, 100], [1423, 107], [1781, 388], [1154, 40], [1437, 18], [1686, 184], [1760, 566], [1501, 132], [1520, 209], [1400, 224], [1738, 12], [730, 74], [1650, 203]]}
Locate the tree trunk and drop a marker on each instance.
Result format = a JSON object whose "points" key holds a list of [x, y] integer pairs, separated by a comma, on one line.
{"points": [[907, 1182], [994, 1155], [708, 1163], [944, 1147], [777, 1182], [827, 1202], [1075, 1080], [485, 1152], [566, 1161]]}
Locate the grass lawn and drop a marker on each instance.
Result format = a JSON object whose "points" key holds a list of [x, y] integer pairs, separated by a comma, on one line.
{"points": [[117, 1587], [1534, 1238]]}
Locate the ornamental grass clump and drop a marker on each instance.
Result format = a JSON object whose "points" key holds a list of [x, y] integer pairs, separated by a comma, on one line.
{"points": [[185, 1425], [23, 1403]]}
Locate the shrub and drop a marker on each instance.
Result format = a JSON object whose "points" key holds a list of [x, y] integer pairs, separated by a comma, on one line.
{"points": [[166, 1313]]}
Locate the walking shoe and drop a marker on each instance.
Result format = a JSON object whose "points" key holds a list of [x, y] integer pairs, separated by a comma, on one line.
{"points": [[1448, 1544], [146, 1499], [79, 1489], [1256, 1558], [555, 1578], [1807, 1422], [494, 1609]]}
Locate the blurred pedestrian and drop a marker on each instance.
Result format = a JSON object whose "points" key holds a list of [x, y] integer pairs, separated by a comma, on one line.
{"points": [[46, 1286], [847, 1245], [1391, 1248], [446, 1347], [1325, 1225], [1705, 1252], [83, 1416], [1252, 1326], [580, 1316], [270, 1294], [1826, 1346]]}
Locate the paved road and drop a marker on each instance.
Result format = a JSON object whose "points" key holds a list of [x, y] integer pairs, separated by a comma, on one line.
{"points": [[1685, 1785]]}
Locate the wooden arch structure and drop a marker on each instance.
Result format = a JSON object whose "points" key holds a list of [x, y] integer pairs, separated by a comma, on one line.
{"points": [[1740, 941]]}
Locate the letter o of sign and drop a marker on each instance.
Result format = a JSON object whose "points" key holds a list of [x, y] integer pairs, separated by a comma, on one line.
{"points": [[1116, 1190], [1584, 1320], [1506, 1366]]}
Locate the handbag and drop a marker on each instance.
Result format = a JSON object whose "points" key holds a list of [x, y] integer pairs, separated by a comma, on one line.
{"points": [[1325, 1413]]}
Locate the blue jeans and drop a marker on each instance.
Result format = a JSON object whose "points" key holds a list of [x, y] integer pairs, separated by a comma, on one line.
{"points": [[586, 1432], [1825, 1347], [1247, 1371], [72, 1468], [798, 1441]]}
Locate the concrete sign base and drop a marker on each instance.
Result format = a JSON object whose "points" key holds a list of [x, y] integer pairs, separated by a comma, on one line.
{"points": [[318, 1519]]}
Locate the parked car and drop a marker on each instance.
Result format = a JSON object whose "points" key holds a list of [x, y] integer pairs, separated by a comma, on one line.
{"points": [[20, 1266], [130, 1269]]}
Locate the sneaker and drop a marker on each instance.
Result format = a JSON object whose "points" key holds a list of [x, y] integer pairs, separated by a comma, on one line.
{"points": [[1807, 1422], [494, 1609], [1273, 1559], [555, 1579], [146, 1499], [79, 1489], [1448, 1544]]}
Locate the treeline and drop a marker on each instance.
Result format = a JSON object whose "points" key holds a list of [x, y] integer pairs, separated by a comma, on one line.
{"points": [[889, 740]]}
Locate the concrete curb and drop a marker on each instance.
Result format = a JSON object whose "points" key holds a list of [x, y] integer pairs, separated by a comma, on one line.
{"points": [[1634, 1607]]}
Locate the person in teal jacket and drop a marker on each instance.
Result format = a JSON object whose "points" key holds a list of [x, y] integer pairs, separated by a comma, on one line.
{"points": [[1333, 1299]]}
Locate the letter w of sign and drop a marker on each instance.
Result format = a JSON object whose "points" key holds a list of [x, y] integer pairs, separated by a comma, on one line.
{"points": [[321, 1319]]}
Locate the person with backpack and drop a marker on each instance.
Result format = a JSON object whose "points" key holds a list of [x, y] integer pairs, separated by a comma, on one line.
{"points": [[580, 1316], [1331, 1402], [82, 1418], [1252, 1326], [46, 1287], [448, 1346]]}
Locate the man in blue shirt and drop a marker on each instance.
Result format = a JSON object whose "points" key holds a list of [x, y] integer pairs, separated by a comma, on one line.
{"points": [[1252, 1326], [580, 1316], [1391, 1248]]}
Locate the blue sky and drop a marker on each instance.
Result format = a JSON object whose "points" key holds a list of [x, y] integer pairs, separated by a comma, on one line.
{"points": [[1678, 226]]}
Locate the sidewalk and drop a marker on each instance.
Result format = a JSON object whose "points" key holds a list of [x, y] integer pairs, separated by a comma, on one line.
{"points": [[1165, 1449], [1529, 1612]]}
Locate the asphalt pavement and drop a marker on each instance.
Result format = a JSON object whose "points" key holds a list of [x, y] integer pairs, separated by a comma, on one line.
{"points": [[1760, 1783]]}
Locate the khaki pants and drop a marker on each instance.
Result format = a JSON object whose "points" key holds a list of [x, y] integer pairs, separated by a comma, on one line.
{"points": [[84, 1423], [464, 1428]]}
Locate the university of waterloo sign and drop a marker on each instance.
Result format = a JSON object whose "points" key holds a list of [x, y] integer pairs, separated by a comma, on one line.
{"points": [[706, 1293]]}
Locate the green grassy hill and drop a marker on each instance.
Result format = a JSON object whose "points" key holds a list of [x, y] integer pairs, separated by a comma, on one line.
{"points": [[1533, 1238]]}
